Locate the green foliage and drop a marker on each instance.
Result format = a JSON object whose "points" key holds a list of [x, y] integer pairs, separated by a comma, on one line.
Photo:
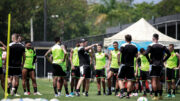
{"points": [[76, 18]]}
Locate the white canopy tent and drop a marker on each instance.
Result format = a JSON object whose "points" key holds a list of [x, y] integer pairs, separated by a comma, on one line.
{"points": [[141, 31]]}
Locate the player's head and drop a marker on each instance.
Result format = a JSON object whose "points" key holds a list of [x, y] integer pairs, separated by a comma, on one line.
{"points": [[142, 50], [20, 38], [57, 40], [171, 47], [99, 47], [77, 44], [14, 37], [28, 44], [115, 45], [128, 38], [155, 37], [83, 42]]}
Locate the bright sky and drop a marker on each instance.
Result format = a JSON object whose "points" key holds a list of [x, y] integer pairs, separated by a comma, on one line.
{"points": [[140, 1]]}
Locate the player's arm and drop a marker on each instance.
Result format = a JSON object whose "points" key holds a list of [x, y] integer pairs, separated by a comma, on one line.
{"points": [[118, 56], [137, 58], [94, 63], [71, 60], [91, 53], [168, 54], [178, 55], [24, 58], [89, 47], [109, 61], [4, 46], [147, 53], [65, 53], [47, 55]]}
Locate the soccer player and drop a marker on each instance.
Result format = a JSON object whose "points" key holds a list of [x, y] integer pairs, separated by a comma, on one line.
{"points": [[28, 69], [113, 65], [16, 61], [85, 70], [75, 70], [64, 81], [129, 52], [100, 62], [144, 71], [156, 59], [171, 64], [59, 55], [3, 48]]}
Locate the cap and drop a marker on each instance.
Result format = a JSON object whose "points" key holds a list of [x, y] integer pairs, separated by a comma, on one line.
{"points": [[82, 40]]}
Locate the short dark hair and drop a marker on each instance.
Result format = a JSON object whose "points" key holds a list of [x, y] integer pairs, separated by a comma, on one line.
{"points": [[128, 37], [156, 36], [142, 50], [57, 39], [28, 42], [100, 45], [115, 42], [171, 45]]}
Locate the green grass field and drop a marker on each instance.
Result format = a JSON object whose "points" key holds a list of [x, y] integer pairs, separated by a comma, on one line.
{"points": [[45, 87]]}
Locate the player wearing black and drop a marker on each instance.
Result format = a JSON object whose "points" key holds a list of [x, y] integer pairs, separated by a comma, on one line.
{"points": [[16, 61], [84, 60], [126, 71], [156, 59]]}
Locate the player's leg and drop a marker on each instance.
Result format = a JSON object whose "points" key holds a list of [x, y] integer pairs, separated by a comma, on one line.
{"points": [[73, 79], [103, 85], [24, 75], [34, 83], [99, 85], [87, 86], [66, 87], [9, 84], [173, 83], [169, 80], [110, 74], [28, 86], [82, 77]]}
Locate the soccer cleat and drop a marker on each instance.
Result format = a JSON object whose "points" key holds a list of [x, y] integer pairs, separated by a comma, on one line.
{"points": [[99, 93], [12, 91], [37, 93], [160, 98], [173, 95], [17, 95], [59, 94], [109, 93], [77, 94], [72, 94], [67, 95], [56, 95], [169, 95], [121, 96], [29, 93], [25, 93], [86, 94], [155, 98], [128, 97], [135, 94]]}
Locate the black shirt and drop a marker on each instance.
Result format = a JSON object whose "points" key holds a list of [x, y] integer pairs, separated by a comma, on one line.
{"points": [[128, 51], [16, 54], [157, 52], [84, 58]]}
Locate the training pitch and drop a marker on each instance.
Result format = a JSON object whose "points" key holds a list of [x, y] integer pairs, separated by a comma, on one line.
{"points": [[45, 87]]}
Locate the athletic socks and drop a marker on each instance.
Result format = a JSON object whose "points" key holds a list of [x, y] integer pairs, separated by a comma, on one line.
{"points": [[9, 87], [155, 93], [24, 90], [116, 92], [28, 90], [16, 88], [122, 91], [66, 89], [160, 92], [169, 91], [55, 90], [174, 91], [35, 89], [72, 89], [59, 90], [109, 88]]}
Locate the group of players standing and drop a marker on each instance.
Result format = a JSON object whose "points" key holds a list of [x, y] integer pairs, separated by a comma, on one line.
{"points": [[22, 60], [124, 64]]}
